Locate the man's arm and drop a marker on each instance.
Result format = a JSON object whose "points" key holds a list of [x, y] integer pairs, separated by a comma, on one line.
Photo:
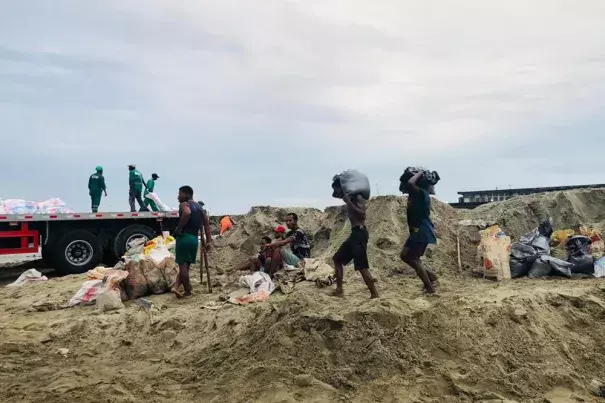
{"points": [[185, 215], [280, 243], [207, 231], [358, 206], [103, 187], [413, 182], [90, 183]]}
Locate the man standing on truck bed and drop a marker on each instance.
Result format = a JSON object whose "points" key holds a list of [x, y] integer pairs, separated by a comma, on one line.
{"points": [[96, 187], [135, 184], [149, 189]]}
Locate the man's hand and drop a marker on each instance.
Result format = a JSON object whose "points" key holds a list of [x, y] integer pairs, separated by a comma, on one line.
{"points": [[105, 193], [177, 232], [346, 198]]}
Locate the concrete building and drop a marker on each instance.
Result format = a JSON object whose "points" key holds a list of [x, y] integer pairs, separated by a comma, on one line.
{"points": [[474, 198]]}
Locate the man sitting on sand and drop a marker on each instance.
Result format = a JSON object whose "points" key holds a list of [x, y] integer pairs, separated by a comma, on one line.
{"points": [[300, 248], [258, 261]]}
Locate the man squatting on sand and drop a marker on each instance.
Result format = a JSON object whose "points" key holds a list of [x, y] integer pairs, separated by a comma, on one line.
{"points": [[356, 246], [422, 231]]}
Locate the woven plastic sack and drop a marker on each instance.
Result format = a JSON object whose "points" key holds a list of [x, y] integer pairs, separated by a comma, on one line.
{"points": [[136, 283]]}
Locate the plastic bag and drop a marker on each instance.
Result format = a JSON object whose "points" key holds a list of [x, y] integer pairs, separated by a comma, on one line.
{"points": [[109, 299], [558, 266], [561, 236], [87, 294], [599, 268], [540, 268], [495, 247], [522, 258], [583, 263], [351, 182], [428, 177], [541, 244], [545, 228], [136, 283], [28, 276]]}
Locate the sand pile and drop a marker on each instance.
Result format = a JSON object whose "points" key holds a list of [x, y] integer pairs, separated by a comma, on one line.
{"points": [[523, 341], [386, 221]]}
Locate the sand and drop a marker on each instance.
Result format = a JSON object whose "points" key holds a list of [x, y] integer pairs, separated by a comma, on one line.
{"points": [[477, 341]]}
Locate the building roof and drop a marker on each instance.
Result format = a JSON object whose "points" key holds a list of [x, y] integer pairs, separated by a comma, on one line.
{"points": [[532, 190]]}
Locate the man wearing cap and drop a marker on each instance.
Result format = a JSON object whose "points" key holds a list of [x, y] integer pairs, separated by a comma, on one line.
{"points": [[149, 189], [135, 184], [96, 187]]}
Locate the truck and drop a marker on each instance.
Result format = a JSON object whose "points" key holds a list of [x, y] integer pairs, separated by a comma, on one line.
{"points": [[77, 242]]}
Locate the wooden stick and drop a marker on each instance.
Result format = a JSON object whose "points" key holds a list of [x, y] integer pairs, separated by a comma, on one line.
{"points": [[458, 248], [205, 261]]}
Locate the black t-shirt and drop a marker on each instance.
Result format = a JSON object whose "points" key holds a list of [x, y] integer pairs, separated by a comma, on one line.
{"points": [[300, 245], [196, 219], [419, 208]]}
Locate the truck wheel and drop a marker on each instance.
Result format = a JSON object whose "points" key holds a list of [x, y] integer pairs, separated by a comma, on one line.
{"points": [[129, 234], [77, 252]]}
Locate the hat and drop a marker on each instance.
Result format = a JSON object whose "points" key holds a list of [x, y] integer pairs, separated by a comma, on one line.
{"points": [[280, 229], [99, 168], [156, 176]]}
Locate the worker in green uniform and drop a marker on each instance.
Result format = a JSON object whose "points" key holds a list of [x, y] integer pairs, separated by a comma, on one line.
{"points": [[135, 185], [96, 187], [149, 189]]}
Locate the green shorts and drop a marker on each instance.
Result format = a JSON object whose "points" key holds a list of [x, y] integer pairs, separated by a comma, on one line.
{"points": [[186, 248], [288, 257]]}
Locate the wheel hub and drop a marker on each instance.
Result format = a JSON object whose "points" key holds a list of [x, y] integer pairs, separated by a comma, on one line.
{"points": [[79, 253]]}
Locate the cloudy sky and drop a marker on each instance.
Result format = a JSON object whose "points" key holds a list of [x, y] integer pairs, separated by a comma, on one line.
{"points": [[262, 102]]}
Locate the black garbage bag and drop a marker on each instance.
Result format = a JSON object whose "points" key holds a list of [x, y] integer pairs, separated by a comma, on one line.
{"points": [[428, 178], [540, 268], [582, 263], [545, 229], [522, 257], [578, 252], [559, 267]]}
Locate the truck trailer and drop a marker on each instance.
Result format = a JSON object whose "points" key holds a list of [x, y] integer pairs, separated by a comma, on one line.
{"points": [[77, 242]]}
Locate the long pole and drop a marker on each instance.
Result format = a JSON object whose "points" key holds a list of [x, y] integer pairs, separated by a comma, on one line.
{"points": [[204, 254]]}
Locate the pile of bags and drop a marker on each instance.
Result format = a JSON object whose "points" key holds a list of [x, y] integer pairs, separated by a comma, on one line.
{"points": [[19, 206], [427, 178], [351, 183], [147, 268], [532, 255]]}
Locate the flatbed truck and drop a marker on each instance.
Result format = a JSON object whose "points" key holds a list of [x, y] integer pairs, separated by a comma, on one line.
{"points": [[77, 242]]}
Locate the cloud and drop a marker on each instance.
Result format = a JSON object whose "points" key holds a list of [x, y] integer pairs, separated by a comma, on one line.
{"points": [[258, 103]]}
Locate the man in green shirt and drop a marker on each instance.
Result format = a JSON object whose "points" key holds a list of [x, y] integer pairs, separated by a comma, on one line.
{"points": [[149, 189], [96, 187], [135, 184]]}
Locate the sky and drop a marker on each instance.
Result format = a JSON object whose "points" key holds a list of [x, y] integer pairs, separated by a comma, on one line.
{"points": [[262, 103]]}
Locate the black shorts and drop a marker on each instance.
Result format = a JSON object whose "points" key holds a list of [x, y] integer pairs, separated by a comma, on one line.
{"points": [[416, 248], [355, 248]]}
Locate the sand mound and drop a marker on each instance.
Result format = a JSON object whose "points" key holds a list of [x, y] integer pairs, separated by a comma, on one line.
{"points": [[523, 341], [386, 223]]}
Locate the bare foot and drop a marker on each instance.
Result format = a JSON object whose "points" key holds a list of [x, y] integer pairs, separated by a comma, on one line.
{"points": [[338, 293], [177, 293]]}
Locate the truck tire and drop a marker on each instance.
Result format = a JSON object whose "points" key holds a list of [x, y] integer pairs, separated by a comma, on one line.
{"points": [[127, 235], [77, 252]]}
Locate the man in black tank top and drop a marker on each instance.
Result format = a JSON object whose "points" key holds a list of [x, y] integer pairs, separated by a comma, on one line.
{"points": [[191, 222]]}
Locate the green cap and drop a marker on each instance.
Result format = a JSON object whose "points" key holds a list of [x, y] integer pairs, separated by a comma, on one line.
{"points": [[99, 168]]}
